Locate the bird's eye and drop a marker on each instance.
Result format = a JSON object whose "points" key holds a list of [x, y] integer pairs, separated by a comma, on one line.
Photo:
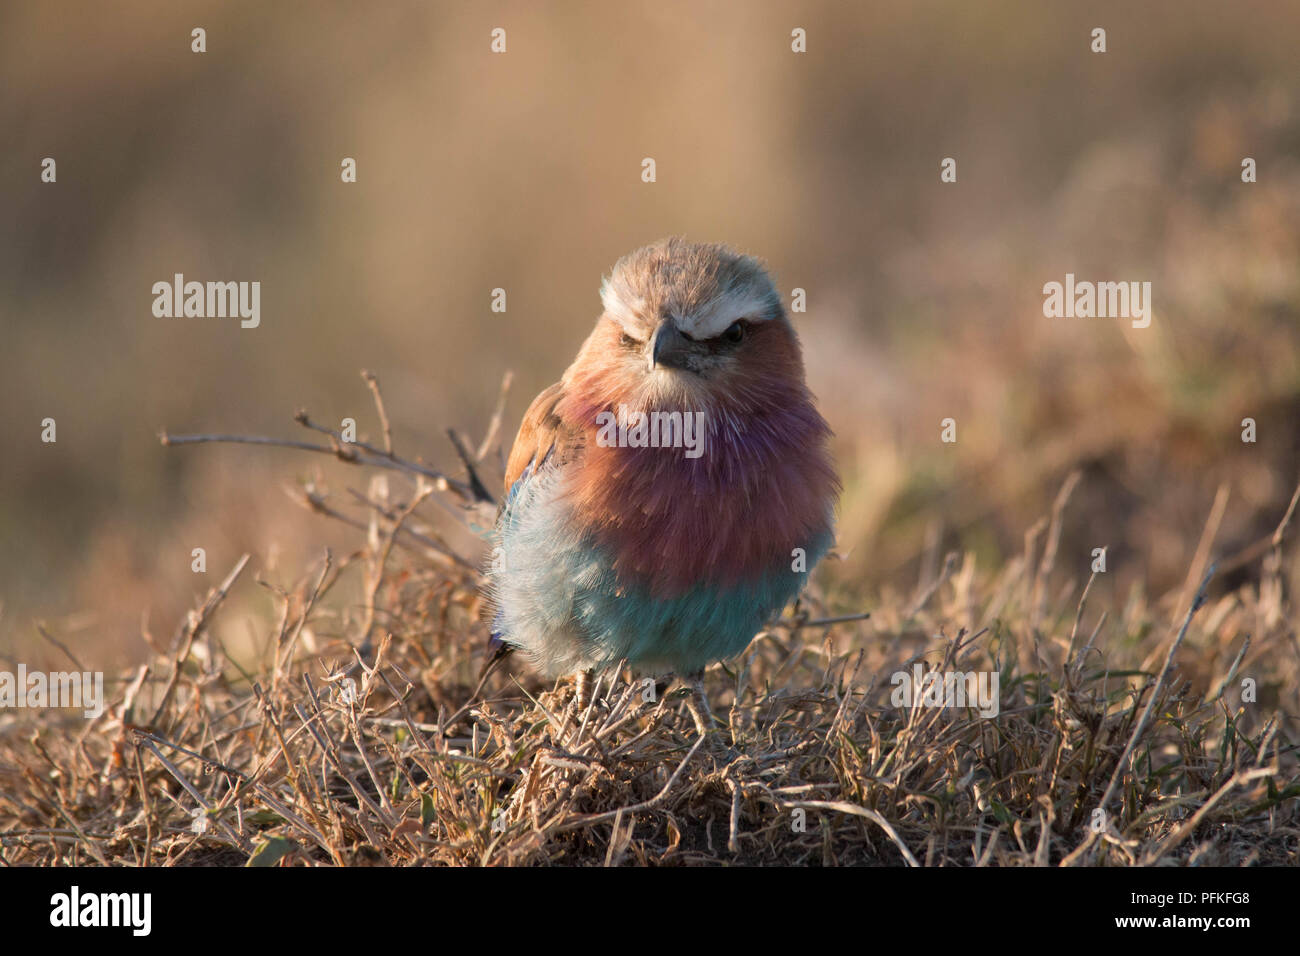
{"points": [[735, 332]]}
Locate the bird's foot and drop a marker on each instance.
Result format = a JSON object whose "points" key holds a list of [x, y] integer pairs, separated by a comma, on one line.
{"points": [[706, 724], [697, 705], [582, 689]]}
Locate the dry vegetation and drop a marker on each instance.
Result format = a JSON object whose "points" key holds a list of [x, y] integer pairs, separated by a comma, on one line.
{"points": [[349, 732]]}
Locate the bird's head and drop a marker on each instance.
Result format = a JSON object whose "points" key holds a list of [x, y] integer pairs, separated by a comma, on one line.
{"points": [[685, 324]]}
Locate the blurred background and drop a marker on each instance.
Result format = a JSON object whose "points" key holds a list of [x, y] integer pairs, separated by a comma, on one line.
{"points": [[523, 171]]}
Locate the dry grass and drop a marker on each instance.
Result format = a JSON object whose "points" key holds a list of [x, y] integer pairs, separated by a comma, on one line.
{"points": [[348, 733]]}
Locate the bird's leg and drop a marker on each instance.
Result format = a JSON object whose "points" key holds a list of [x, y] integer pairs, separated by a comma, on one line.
{"points": [[582, 689], [697, 703]]}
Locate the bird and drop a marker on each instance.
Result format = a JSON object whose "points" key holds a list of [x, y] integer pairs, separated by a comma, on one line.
{"points": [[672, 492]]}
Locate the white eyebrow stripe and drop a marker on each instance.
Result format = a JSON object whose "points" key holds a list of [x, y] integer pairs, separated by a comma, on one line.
{"points": [[627, 313], [714, 319]]}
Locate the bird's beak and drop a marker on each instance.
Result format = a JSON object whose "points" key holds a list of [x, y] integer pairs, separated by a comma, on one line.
{"points": [[668, 347]]}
